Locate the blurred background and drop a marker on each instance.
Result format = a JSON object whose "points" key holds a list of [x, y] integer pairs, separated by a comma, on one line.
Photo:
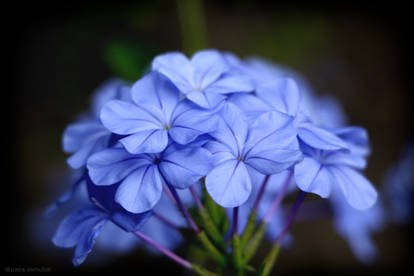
{"points": [[60, 53]]}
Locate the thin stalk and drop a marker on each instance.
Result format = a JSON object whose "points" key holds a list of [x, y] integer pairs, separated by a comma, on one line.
{"points": [[183, 209], [166, 221], [271, 258], [235, 220], [192, 24], [279, 198], [164, 250]]}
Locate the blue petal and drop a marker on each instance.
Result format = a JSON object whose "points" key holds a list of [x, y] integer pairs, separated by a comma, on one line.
{"points": [[80, 157], [220, 152], [312, 177], [208, 66], [155, 91], [80, 229], [272, 145], [205, 100], [232, 129], [230, 83], [114, 164], [126, 118], [140, 190], [110, 90], [358, 191], [282, 93], [189, 121], [251, 105], [356, 138], [185, 167], [147, 141], [320, 138], [177, 68], [229, 184], [128, 221], [77, 135], [345, 158]]}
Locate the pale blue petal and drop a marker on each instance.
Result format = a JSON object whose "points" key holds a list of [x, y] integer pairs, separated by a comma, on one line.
{"points": [[232, 129], [110, 90], [312, 177], [271, 130], [177, 68], [80, 157], [126, 118], [320, 138], [356, 138], [229, 184], [251, 105], [78, 134], [141, 190], [155, 91], [147, 141], [358, 191], [220, 152], [282, 93], [190, 121], [185, 167], [205, 100], [208, 66], [344, 158], [231, 83], [114, 164]]}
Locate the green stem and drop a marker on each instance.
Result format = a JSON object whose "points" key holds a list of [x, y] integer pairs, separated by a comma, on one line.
{"points": [[237, 254], [249, 229], [193, 28], [254, 243], [214, 253], [202, 271], [269, 261], [212, 229]]}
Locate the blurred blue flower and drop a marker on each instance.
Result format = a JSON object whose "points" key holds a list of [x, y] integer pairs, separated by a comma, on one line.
{"points": [[88, 135], [356, 226], [399, 186], [141, 176], [155, 114], [205, 79], [269, 146]]}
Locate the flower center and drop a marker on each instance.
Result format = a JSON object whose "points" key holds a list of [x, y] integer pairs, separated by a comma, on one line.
{"points": [[241, 158], [167, 127]]}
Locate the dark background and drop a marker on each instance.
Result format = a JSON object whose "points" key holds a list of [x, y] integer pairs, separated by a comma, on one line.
{"points": [[58, 54]]}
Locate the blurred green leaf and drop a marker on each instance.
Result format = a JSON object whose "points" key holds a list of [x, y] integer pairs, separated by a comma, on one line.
{"points": [[126, 60]]}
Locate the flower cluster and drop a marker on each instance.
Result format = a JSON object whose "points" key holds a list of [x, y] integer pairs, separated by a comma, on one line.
{"points": [[242, 131]]}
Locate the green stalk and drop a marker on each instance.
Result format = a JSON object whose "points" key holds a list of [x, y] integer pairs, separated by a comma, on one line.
{"points": [[249, 229], [211, 229], [237, 255], [253, 245], [202, 271], [212, 250], [269, 261], [193, 28]]}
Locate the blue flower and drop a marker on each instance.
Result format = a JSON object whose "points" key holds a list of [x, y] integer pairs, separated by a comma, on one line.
{"points": [[155, 114], [141, 176], [205, 79], [356, 226], [269, 146], [321, 169], [88, 135]]}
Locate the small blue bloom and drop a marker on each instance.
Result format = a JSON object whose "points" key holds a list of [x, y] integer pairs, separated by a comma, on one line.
{"points": [[269, 146], [155, 114], [141, 176], [321, 169], [205, 79], [81, 228], [88, 135]]}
